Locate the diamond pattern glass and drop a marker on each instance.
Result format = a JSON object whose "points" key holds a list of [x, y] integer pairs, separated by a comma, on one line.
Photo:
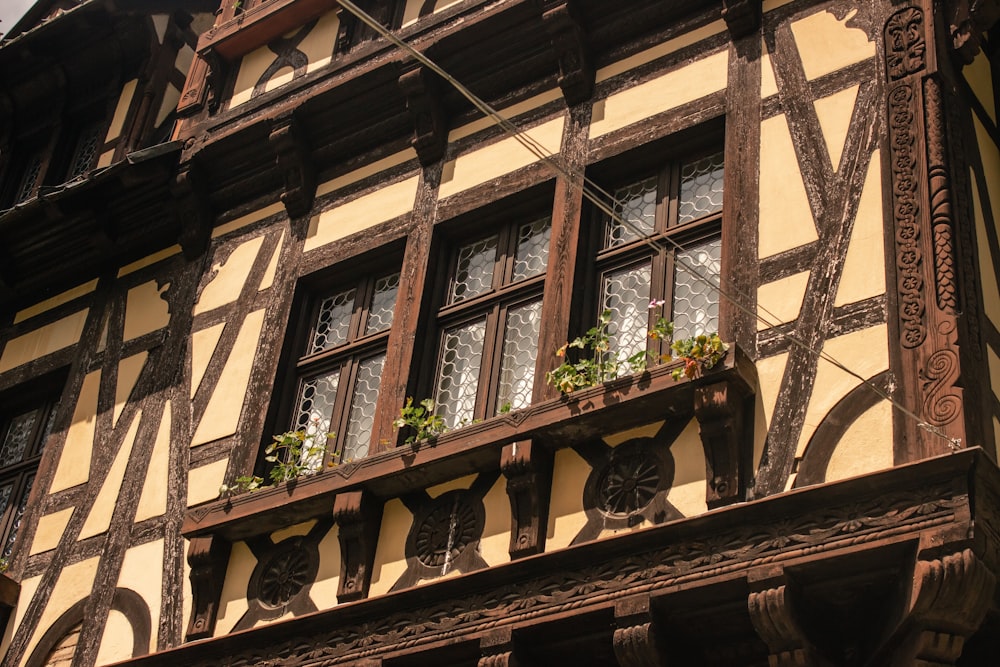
{"points": [[31, 173], [18, 437], [317, 397], [86, 150], [361, 420], [517, 367], [333, 322], [383, 304], [701, 188], [626, 294], [636, 204], [696, 302], [474, 270], [18, 517], [458, 372], [532, 254]]}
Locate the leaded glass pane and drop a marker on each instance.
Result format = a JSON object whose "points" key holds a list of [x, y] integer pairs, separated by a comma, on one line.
{"points": [[18, 437], [532, 254], [701, 188], [5, 492], [86, 150], [626, 294], [32, 171], [474, 269], [383, 304], [18, 517], [517, 367], [333, 322], [317, 397], [696, 301], [458, 372], [636, 205], [361, 420]]}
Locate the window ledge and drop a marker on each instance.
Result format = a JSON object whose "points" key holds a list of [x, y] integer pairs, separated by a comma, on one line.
{"points": [[619, 405], [259, 25], [9, 591]]}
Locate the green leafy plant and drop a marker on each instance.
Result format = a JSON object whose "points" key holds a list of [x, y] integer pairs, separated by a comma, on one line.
{"points": [[594, 366], [698, 353], [420, 419], [4, 564], [293, 454]]}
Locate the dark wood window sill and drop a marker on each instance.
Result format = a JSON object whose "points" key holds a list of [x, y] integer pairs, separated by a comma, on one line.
{"points": [[9, 591], [260, 24], [612, 407]]}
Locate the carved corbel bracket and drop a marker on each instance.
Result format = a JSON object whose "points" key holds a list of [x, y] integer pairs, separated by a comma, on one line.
{"points": [[358, 515], [527, 465], [208, 557], [636, 639], [967, 21], [564, 25], [742, 17], [193, 211], [345, 30], [776, 621], [423, 100], [721, 410], [497, 649], [295, 164]]}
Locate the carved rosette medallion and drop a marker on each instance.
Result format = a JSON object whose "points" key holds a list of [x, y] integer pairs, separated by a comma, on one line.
{"points": [[905, 49], [280, 578], [629, 481], [446, 531]]}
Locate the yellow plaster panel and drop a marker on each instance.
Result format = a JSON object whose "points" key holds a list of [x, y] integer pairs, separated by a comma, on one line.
{"points": [[495, 542], [182, 63], [149, 260], [390, 554], [680, 86], [786, 220], [248, 219], [450, 485], [566, 514], [145, 310], [980, 78], [988, 279], [57, 300], [412, 10], [826, 44], [169, 102], [333, 184], [128, 374], [318, 44], [509, 113], [223, 411], [272, 267], [153, 501], [252, 67], [142, 572], [361, 213], [28, 588], [299, 529], [768, 84], [686, 39], [50, 530], [780, 301], [865, 447], [74, 584], [771, 5], [646, 431], [203, 343], [121, 110], [280, 78], [996, 443], [867, 354], [106, 158], [769, 374], [324, 590], [233, 602], [99, 518], [230, 275], [74, 461], [204, 482], [688, 491], [834, 113], [42, 341], [116, 641], [864, 265], [499, 158], [991, 165]]}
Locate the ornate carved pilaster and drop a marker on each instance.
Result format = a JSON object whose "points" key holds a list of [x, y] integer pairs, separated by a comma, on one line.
{"points": [[721, 410], [776, 621], [527, 465], [569, 40], [498, 650], [195, 91], [295, 164], [358, 515], [742, 17], [636, 639], [423, 100], [193, 211], [208, 558], [949, 600]]}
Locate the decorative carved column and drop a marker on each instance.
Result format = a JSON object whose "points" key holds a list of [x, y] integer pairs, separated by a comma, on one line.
{"points": [[423, 100], [358, 515], [295, 164], [949, 600], [527, 465], [208, 557], [776, 621], [636, 639], [727, 437], [562, 21]]}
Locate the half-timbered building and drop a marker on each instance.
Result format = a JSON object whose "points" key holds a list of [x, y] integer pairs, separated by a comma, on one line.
{"points": [[225, 226]]}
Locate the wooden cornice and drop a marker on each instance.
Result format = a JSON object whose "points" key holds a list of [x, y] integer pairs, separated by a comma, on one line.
{"points": [[239, 34]]}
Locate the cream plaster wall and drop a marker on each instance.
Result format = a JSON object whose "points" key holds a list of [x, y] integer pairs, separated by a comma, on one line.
{"points": [[780, 301], [223, 412], [142, 572], [203, 344], [494, 546], [50, 529], [834, 114], [121, 110], [43, 340], [99, 518], [826, 44], [318, 44], [361, 213], [510, 113], [499, 158], [74, 460], [412, 10], [74, 584], [230, 276], [247, 220], [204, 482], [28, 588], [566, 514], [57, 300], [272, 267], [280, 78], [149, 260], [864, 264], [334, 184], [169, 102], [645, 431], [298, 530], [688, 491], [991, 164], [669, 91], [153, 500], [129, 370], [988, 279], [233, 602], [865, 447], [786, 220], [664, 48], [116, 642], [324, 590], [390, 554], [768, 84], [252, 67], [770, 370], [980, 78]]}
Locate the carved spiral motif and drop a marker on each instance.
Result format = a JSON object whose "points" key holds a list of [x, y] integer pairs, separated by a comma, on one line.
{"points": [[284, 576], [941, 406], [628, 482], [446, 530]]}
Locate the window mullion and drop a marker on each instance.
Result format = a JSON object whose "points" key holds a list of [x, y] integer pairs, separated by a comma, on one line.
{"points": [[341, 406], [490, 366]]}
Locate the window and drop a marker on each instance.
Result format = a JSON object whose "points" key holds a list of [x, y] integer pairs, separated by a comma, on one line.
{"points": [[340, 365], [489, 323], [88, 142], [671, 244]]}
